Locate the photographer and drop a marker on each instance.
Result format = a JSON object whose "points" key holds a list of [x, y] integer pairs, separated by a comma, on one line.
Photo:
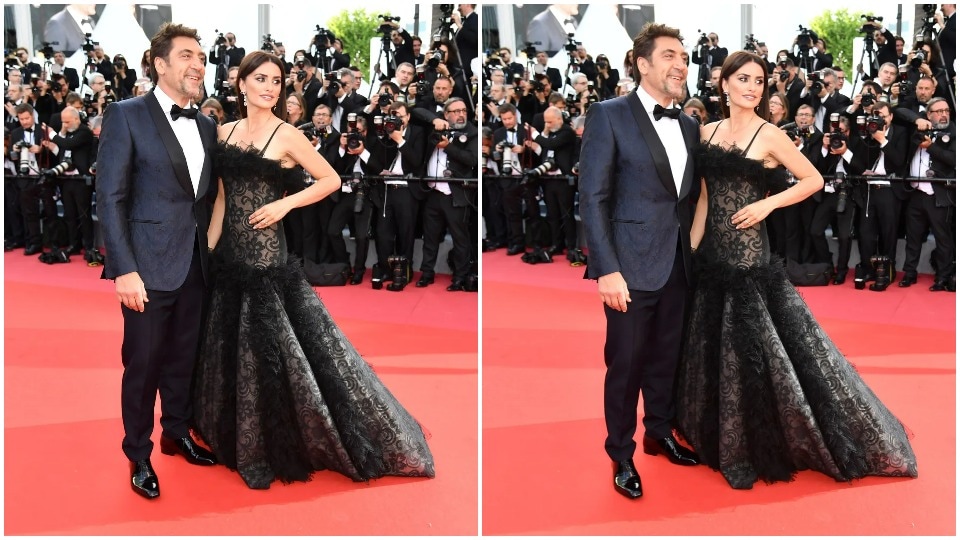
{"points": [[429, 110], [714, 55], [351, 204], [402, 49], [31, 157], [946, 20], [466, 20], [557, 145], [303, 81], [13, 99], [27, 68], [834, 203], [535, 94], [912, 110], [227, 50], [337, 92], [59, 67], [404, 79], [228, 98], [932, 205], [541, 68], [513, 71], [887, 79], [886, 45], [924, 61], [818, 93], [607, 78], [492, 101], [125, 78], [102, 64], [74, 145], [584, 95], [450, 205], [879, 201], [510, 152], [582, 63], [442, 61], [380, 106], [785, 79], [787, 227], [212, 108], [396, 150]]}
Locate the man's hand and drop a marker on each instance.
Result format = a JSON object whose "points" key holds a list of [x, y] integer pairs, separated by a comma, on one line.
{"points": [[613, 291], [131, 292], [396, 136], [923, 124], [926, 142], [356, 151], [440, 124]]}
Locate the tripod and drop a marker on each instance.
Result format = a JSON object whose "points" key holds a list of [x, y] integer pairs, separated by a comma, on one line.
{"points": [[871, 54], [446, 30]]}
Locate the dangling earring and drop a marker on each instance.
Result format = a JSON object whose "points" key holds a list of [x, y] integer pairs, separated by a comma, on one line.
{"points": [[245, 98], [727, 95]]}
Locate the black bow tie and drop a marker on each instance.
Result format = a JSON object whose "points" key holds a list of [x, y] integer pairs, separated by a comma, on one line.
{"points": [[28, 130], [659, 112], [570, 21], [177, 112], [512, 130]]}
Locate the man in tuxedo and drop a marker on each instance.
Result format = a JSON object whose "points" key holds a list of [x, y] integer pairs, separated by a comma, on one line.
{"points": [[514, 69], [792, 87], [59, 67], [26, 198], [635, 203], [402, 48], [556, 81], [303, 80], [66, 30], [30, 70], [429, 110], [465, 17], [886, 46], [549, 29], [234, 55], [349, 162], [715, 54], [511, 137], [947, 20], [155, 181]]}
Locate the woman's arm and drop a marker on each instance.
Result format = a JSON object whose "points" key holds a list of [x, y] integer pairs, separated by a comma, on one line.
{"points": [[699, 218], [216, 218]]}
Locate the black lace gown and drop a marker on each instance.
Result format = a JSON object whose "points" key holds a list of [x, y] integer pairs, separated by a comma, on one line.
{"points": [[279, 391], [762, 391]]}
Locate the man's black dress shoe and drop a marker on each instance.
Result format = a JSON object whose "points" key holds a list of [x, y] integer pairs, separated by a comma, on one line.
{"points": [[555, 250], [938, 286], [671, 448], [516, 249], [457, 285], [10, 246], [425, 279], [626, 480], [74, 250], [907, 281], [32, 249], [186, 447], [840, 277], [357, 276], [143, 480]]}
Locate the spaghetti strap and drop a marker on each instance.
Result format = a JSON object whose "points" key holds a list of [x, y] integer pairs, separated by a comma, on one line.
{"points": [[264, 149], [231, 132], [747, 149], [714, 131]]}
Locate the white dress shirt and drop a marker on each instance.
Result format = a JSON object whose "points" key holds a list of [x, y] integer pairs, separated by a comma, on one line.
{"points": [[436, 168], [670, 135], [188, 135]]}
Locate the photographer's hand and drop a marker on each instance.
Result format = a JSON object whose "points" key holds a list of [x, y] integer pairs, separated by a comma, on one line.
{"points": [[613, 291], [440, 124], [926, 142], [923, 124]]}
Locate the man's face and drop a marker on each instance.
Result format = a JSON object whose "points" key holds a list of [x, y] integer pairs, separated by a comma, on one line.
{"points": [[26, 120], [878, 37], [581, 52], [13, 92], [182, 72], [15, 78], [396, 38], [497, 77], [884, 112], [98, 86], [821, 46], [442, 90], [496, 92], [664, 72], [384, 89], [580, 85], [925, 89], [456, 115], [346, 80], [70, 119], [98, 51], [715, 77], [281, 51], [357, 80], [321, 117], [542, 58], [509, 119], [899, 47], [404, 75], [841, 78], [804, 117], [763, 50], [505, 55], [938, 114], [403, 114], [887, 75], [830, 83], [416, 47], [232, 77], [23, 56], [552, 120]]}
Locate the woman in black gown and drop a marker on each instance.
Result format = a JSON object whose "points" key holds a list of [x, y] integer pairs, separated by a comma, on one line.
{"points": [[279, 391], [762, 392]]}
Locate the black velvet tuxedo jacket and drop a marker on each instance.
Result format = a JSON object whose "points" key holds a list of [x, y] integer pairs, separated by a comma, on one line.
{"points": [[146, 203], [632, 214]]}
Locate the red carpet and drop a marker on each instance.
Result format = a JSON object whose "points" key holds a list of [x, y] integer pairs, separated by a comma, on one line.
{"points": [[66, 475], [545, 471]]}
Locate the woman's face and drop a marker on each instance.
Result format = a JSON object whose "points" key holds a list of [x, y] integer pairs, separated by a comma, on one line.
{"points": [[263, 86], [294, 111], [776, 106], [746, 86]]}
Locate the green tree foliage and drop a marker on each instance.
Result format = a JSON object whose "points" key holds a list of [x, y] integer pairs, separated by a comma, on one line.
{"points": [[838, 29], [355, 29]]}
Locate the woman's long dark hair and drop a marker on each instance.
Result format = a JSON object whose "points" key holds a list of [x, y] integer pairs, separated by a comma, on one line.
{"points": [[250, 64], [730, 66]]}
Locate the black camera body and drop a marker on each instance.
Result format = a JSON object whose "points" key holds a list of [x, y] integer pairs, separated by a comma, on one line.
{"points": [[816, 84], [89, 44], [451, 135], [385, 27], [869, 28], [392, 123], [874, 123], [529, 50], [334, 82], [384, 100], [571, 45], [919, 58], [434, 57], [49, 175], [867, 100], [530, 174]]}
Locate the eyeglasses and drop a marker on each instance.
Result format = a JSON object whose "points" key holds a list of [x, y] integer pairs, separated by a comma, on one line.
{"points": [[457, 111], [804, 114], [939, 111], [322, 114]]}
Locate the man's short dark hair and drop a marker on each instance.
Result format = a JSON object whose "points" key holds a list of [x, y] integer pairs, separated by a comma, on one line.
{"points": [[643, 44], [554, 98], [507, 108], [72, 98], [450, 102], [24, 107], [391, 85], [162, 43]]}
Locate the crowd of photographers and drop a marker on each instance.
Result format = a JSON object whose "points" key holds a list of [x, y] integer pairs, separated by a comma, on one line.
{"points": [[887, 153], [406, 146]]}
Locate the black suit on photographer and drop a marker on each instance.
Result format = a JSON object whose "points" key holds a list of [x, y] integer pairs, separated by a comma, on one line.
{"points": [[879, 201], [836, 157], [932, 152], [791, 86], [451, 205], [337, 92], [227, 49], [74, 143], [352, 203], [309, 223], [818, 93], [557, 145], [402, 48], [535, 97], [32, 194], [303, 80], [514, 194], [399, 153]]}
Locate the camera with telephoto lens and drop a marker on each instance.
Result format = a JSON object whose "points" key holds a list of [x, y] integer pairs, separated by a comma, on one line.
{"points": [[359, 187], [795, 132], [400, 268], [919, 58], [333, 79], [837, 138], [48, 175], [24, 148], [392, 123], [843, 192], [385, 26], [874, 123], [906, 87], [869, 28], [816, 84], [528, 175], [451, 135], [868, 99], [354, 137], [310, 131]]}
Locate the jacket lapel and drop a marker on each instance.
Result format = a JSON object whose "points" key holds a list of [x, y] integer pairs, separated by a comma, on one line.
{"points": [[177, 158], [207, 134], [653, 143], [691, 136]]}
